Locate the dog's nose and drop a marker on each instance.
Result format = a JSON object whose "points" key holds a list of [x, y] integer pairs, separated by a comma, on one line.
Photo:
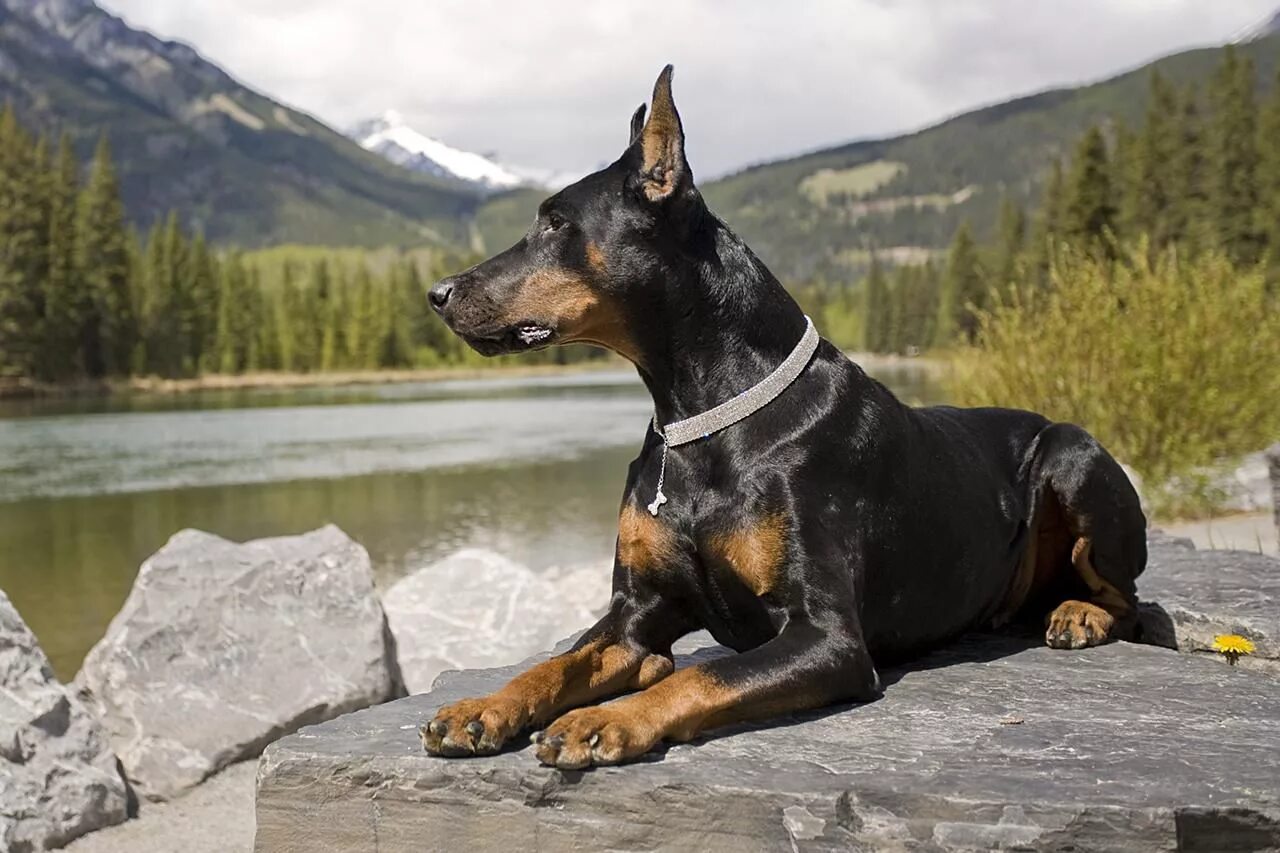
{"points": [[439, 295]]}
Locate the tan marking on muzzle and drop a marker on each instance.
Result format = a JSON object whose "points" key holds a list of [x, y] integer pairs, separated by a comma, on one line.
{"points": [[578, 311]]}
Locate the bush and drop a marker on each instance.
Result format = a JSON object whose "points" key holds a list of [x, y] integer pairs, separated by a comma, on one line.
{"points": [[1173, 364]]}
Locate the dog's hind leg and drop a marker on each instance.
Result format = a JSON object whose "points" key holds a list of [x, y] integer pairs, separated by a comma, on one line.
{"points": [[1104, 549]]}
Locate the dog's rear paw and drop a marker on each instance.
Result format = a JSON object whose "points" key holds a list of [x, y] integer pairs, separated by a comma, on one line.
{"points": [[1077, 625], [471, 727]]}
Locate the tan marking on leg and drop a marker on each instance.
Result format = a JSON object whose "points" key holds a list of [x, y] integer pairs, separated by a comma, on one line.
{"points": [[755, 551], [1078, 624], [644, 543], [676, 708], [654, 669], [533, 697]]}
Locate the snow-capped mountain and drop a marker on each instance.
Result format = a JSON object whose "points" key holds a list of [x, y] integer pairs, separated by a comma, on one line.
{"points": [[390, 136], [1266, 27]]}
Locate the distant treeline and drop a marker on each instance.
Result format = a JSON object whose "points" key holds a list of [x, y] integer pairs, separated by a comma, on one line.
{"points": [[84, 296], [1201, 174]]}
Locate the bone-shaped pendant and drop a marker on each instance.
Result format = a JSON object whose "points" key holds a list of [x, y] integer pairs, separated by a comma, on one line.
{"points": [[658, 501]]}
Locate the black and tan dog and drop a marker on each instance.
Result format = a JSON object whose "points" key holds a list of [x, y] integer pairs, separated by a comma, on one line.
{"points": [[833, 530]]}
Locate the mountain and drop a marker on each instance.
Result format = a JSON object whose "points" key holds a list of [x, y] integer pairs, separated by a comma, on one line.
{"points": [[187, 136], [390, 136], [817, 215], [1268, 26]]}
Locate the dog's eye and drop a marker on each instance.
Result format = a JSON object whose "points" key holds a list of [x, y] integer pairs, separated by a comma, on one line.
{"points": [[555, 221]]}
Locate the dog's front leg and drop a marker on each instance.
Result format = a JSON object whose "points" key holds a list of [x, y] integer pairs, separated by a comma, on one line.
{"points": [[600, 664], [805, 666]]}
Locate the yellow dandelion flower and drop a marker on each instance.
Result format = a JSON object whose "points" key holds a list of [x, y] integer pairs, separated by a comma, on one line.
{"points": [[1232, 646]]}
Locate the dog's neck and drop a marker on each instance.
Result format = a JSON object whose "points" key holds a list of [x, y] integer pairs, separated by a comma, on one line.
{"points": [[725, 323]]}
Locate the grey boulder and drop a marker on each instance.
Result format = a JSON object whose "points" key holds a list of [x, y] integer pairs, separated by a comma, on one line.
{"points": [[477, 608], [58, 776], [222, 647]]}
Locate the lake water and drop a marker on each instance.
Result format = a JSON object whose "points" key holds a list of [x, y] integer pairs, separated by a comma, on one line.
{"points": [[531, 467]]}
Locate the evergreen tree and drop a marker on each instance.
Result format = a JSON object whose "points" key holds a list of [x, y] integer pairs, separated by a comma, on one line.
{"points": [[1187, 203], [203, 306], [963, 290], [1233, 159], [1049, 223], [1150, 185], [876, 311], [108, 333], [1090, 207], [1011, 238], [63, 294], [1268, 224], [24, 225]]}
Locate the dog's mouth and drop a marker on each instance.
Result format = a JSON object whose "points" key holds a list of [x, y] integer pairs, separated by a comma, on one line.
{"points": [[524, 336]]}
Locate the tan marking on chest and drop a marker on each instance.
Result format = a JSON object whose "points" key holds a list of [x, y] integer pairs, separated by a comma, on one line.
{"points": [[754, 551], [644, 542]]}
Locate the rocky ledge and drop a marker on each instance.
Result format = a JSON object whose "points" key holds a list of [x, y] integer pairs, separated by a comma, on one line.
{"points": [[994, 743]]}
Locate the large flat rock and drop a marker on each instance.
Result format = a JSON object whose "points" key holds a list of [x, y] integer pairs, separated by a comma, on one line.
{"points": [[994, 743]]}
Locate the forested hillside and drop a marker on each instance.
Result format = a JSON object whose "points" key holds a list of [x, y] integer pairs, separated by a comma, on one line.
{"points": [[238, 167], [84, 296]]}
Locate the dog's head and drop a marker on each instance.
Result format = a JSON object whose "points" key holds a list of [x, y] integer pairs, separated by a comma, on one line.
{"points": [[593, 260]]}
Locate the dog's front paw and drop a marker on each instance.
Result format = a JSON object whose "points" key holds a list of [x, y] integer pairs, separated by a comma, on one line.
{"points": [[596, 736], [472, 727]]}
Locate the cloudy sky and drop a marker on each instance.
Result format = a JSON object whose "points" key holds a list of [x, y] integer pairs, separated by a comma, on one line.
{"points": [[552, 83]]}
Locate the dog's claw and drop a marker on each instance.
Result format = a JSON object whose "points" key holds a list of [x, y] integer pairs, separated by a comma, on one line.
{"points": [[595, 739], [535, 738], [475, 728]]}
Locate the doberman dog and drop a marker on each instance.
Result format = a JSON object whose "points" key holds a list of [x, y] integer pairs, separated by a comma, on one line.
{"points": [[832, 530]]}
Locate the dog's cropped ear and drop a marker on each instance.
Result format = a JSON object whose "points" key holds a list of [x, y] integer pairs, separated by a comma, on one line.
{"points": [[663, 166], [637, 124]]}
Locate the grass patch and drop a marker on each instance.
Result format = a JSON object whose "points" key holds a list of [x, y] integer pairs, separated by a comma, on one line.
{"points": [[856, 182]]}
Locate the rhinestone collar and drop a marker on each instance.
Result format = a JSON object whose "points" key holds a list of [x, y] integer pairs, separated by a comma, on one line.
{"points": [[737, 408]]}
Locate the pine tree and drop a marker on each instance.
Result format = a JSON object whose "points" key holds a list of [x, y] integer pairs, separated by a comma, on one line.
{"points": [[203, 296], [1151, 188], [1049, 222], [963, 290], [108, 333], [1090, 208], [1233, 159], [875, 334], [24, 226], [1187, 203], [1011, 238], [1268, 224], [63, 294]]}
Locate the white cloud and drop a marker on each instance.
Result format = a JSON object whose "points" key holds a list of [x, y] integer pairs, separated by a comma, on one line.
{"points": [[552, 83]]}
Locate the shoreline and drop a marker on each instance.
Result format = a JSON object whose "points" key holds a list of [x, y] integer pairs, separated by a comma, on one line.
{"points": [[30, 390], [25, 390]]}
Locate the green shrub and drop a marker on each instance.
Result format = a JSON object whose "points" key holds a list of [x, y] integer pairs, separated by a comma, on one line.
{"points": [[1172, 363]]}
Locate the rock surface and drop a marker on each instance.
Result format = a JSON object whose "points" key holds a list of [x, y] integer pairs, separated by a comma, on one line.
{"points": [[1192, 596], [58, 776], [477, 608], [223, 647], [993, 743]]}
